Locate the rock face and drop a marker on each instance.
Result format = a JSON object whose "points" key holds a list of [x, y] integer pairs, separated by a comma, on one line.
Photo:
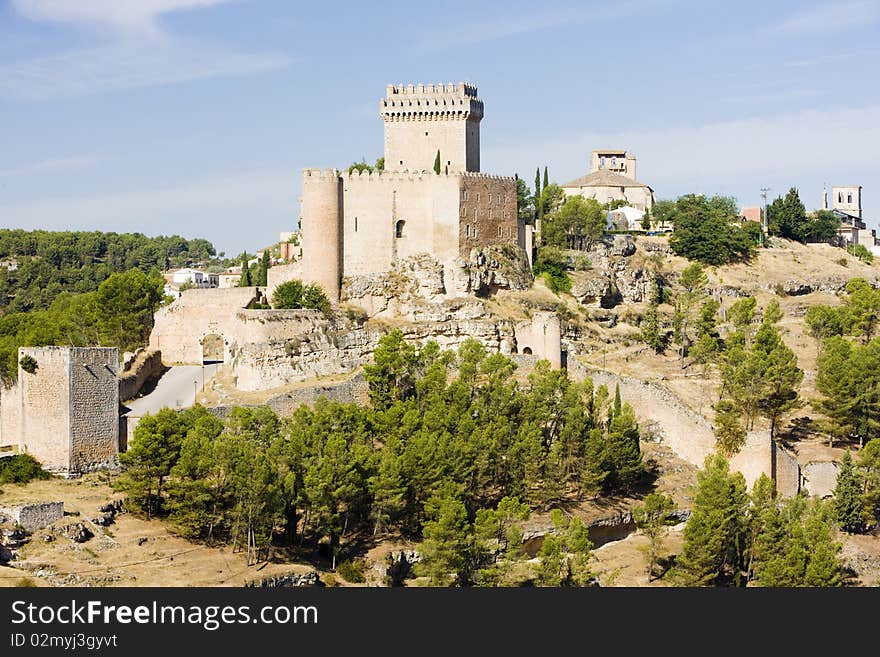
{"points": [[423, 278], [612, 279], [292, 580]]}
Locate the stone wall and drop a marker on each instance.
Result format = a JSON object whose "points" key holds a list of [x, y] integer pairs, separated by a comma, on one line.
{"points": [[145, 364], [179, 327], [34, 516], [279, 274], [819, 478], [94, 408], [488, 212], [689, 434], [10, 415]]}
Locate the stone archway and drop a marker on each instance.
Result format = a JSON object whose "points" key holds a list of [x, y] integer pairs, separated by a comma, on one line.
{"points": [[213, 348], [527, 351]]}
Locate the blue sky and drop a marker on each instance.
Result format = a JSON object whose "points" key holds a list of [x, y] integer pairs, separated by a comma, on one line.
{"points": [[196, 116]]}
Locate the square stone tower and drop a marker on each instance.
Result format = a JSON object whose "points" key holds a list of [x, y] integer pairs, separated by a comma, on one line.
{"points": [[64, 409], [615, 160], [422, 119]]}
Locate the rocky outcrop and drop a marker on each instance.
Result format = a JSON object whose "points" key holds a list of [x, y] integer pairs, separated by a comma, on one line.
{"points": [[292, 580], [422, 278]]}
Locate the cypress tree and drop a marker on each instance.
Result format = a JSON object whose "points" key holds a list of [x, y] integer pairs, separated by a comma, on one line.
{"points": [[245, 273], [265, 263], [437, 163], [546, 178], [539, 202], [847, 499], [617, 399]]}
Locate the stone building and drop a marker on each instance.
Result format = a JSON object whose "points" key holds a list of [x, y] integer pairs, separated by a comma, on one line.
{"points": [[612, 177], [362, 223], [64, 409], [846, 203]]}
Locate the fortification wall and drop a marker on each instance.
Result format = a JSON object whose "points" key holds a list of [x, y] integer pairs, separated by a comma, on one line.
{"points": [[145, 364], [94, 408], [689, 434], [45, 406], [178, 328], [488, 213]]}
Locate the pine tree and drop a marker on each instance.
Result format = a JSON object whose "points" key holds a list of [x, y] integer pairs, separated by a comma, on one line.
{"points": [[437, 163], [652, 518], [847, 497], [617, 403], [715, 533], [651, 334]]}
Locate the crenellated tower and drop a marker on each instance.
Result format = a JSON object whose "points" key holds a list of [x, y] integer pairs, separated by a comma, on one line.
{"points": [[422, 119]]}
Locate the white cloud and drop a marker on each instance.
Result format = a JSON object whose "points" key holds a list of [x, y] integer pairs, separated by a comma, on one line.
{"points": [[136, 54], [251, 206], [52, 165], [833, 142], [829, 17], [119, 66], [126, 15]]}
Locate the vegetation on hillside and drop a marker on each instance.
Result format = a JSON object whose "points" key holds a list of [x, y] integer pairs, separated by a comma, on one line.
{"points": [[118, 314], [452, 450], [20, 469], [293, 294], [48, 264], [709, 229]]}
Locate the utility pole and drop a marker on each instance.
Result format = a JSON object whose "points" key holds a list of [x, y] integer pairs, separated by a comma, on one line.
{"points": [[765, 228]]}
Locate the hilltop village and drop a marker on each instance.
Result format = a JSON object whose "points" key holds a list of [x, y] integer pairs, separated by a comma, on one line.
{"points": [[617, 304]]}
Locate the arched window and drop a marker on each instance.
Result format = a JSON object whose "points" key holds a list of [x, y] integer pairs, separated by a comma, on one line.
{"points": [[849, 198], [398, 228], [500, 231], [601, 162], [527, 351]]}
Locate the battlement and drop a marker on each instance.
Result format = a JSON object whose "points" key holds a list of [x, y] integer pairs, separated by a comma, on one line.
{"points": [[420, 175], [431, 102], [321, 174], [428, 89]]}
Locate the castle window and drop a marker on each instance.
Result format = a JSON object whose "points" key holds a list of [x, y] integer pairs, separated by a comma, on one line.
{"points": [[464, 194], [426, 134], [355, 224], [500, 231], [840, 197], [398, 228], [849, 198], [613, 162], [467, 230], [601, 163]]}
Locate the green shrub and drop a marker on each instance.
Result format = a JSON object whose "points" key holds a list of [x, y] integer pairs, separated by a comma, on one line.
{"points": [[861, 252], [582, 263], [293, 294], [352, 571], [28, 364], [20, 469], [551, 264]]}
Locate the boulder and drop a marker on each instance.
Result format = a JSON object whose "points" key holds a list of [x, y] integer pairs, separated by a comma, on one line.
{"points": [[78, 532]]}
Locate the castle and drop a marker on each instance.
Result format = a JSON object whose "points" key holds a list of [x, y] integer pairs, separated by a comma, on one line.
{"points": [[612, 177], [361, 223]]}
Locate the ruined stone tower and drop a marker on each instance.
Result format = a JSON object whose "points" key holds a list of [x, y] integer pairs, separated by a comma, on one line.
{"points": [[64, 409], [423, 119]]}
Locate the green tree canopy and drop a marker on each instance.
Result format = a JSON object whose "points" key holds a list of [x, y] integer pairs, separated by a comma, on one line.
{"points": [[709, 230]]}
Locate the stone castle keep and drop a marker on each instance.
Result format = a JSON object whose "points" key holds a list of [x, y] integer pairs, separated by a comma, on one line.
{"points": [[66, 411], [358, 224]]}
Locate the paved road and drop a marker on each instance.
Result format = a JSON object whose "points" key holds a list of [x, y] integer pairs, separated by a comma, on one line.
{"points": [[176, 389]]}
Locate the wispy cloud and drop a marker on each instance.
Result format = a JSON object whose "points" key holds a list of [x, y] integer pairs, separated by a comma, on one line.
{"points": [[265, 199], [53, 165], [828, 17], [140, 16], [712, 155], [136, 53], [504, 27]]}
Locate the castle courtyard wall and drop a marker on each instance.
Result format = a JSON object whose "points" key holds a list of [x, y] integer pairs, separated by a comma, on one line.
{"points": [[45, 406], [94, 408]]}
